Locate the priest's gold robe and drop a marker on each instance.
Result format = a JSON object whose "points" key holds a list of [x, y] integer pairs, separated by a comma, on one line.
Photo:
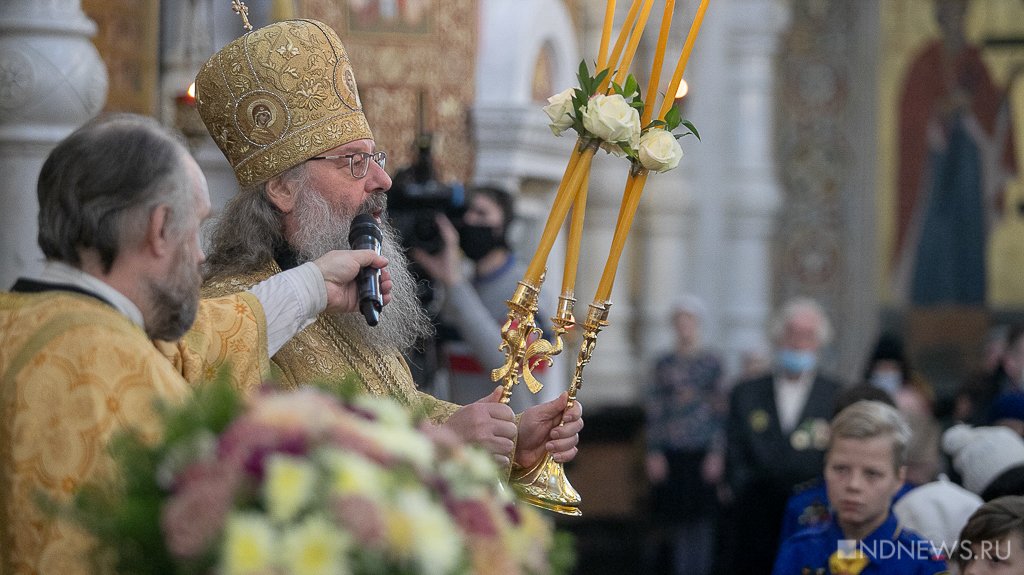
{"points": [[325, 352], [74, 371]]}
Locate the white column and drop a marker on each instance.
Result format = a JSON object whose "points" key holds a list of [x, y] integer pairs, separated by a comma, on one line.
{"points": [[668, 228], [51, 81], [733, 105]]}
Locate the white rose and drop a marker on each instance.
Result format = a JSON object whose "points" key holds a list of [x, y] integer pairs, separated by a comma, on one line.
{"points": [[559, 109], [659, 150], [611, 118]]}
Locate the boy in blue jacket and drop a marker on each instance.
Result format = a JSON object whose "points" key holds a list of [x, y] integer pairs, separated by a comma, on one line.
{"points": [[864, 468]]}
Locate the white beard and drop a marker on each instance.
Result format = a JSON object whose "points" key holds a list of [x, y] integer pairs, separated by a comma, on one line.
{"points": [[403, 322]]}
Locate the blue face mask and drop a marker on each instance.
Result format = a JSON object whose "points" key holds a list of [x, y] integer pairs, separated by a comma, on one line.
{"points": [[794, 361], [889, 381]]}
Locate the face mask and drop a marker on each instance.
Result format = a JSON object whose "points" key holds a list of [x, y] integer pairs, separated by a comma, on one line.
{"points": [[888, 381], [478, 241], [794, 361]]}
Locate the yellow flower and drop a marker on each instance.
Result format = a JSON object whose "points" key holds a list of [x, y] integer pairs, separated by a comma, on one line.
{"points": [[353, 474], [248, 544], [421, 530], [530, 542], [288, 486], [315, 547]]}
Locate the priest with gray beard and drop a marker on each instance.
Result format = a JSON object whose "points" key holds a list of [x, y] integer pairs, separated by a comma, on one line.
{"points": [[307, 163]]}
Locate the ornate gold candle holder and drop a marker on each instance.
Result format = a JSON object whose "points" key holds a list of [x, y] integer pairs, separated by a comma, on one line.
{"points": [[515, 333], [597, 319], [546, 485]]}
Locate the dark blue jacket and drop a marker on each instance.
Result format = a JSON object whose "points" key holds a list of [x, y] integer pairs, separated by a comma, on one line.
{"points": [[891, 550], [809, 507]]}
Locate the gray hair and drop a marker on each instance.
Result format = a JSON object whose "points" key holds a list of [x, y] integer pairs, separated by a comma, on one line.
{"points": [[99, 186], [870, 419], [243, 236], [798, 305]]}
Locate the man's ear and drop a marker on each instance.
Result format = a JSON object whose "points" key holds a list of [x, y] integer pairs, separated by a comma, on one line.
{"points": [[157, 237], [281, 194]]}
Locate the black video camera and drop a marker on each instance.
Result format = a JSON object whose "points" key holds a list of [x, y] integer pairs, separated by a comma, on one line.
{"points": [[415, 199]]}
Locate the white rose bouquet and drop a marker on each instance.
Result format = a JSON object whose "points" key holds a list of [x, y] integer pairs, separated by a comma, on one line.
{"points": [[308, 483], [612, 121]]}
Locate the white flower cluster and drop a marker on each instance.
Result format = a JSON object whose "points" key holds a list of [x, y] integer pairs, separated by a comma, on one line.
{"points": [[611, 119]]}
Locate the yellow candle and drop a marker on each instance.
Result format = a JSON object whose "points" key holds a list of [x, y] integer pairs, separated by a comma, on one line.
{"points": [[572, 250], [620, 42], [634, 41], [659, 59], [630, 201], [677, 76], [579, 165], [606, 35]]}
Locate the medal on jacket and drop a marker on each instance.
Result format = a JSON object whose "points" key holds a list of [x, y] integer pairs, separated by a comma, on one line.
{"points": [[759, 420], [847, 562]]}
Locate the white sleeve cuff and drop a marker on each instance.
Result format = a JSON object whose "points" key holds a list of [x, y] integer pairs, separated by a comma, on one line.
{"points": [[291, 301]]}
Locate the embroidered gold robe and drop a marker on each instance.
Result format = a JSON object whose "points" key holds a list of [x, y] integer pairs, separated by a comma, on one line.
{"points": [[73, 371], [325, 352]]}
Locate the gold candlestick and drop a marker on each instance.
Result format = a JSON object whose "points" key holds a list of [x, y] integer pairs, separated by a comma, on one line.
{"points": [[545, 485], [518, 328]]}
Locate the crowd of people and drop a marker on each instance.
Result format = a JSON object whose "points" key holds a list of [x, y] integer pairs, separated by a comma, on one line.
{"points": [[811, 464]]}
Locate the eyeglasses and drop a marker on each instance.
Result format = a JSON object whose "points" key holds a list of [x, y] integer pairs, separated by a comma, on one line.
{"points": [[359, 162]]}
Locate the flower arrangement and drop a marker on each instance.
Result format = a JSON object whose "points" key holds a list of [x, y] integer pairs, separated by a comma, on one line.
{"points": [[311, 483], [614, 120]]}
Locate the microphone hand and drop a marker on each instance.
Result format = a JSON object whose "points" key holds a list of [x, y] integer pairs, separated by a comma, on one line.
{"points": [[340, 269]]}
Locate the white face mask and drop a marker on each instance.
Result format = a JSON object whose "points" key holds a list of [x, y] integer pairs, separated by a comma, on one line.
{"points": [[888, 381]]}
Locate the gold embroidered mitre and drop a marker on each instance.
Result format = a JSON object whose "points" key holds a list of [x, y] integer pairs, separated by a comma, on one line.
{"points": [[278, 96]]}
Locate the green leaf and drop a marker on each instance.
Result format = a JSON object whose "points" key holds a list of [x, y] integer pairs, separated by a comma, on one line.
{"points": [[600, 78], [583, 75], [631, 86], [654, 124], [672, 119], [692, 128]]}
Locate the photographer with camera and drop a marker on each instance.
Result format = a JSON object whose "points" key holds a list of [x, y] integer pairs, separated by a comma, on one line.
{"points": [[475, 306]]}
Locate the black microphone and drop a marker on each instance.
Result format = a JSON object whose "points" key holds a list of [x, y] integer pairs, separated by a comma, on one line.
{"points": [[365, 235]]}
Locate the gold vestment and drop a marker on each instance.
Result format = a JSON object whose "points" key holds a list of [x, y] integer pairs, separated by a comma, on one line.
{"points": [[74, 371], [324, 352]]}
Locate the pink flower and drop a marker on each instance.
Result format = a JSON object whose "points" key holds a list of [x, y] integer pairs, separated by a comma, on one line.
{"points": [[474, 517], [363, 519], [246, 444], [192, 518]]}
